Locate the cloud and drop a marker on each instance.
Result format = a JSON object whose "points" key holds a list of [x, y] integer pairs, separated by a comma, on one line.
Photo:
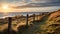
{"points": [[39, 3], [33, 3], [38, 9], [46, 1]]}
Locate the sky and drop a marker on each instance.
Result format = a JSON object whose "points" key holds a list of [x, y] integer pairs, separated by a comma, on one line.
{"points": [[38, 2], [32, 5], [28, 6]]}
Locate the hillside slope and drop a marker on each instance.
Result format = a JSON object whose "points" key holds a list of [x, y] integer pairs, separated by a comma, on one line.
{"points": [[53, 23]]}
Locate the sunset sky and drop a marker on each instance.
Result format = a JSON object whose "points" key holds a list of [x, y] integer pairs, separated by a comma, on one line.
{"points": [[29, 5]]}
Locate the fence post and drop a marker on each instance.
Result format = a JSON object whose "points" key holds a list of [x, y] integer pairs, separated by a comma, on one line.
{"points": [[9, 25], [27, 20], [33, 18], [37, 17]]}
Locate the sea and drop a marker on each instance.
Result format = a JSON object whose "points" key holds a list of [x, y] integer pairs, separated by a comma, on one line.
{"points": [[11, 14]]}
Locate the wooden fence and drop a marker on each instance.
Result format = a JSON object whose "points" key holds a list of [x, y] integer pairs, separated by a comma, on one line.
{"points": [[27, 16]]}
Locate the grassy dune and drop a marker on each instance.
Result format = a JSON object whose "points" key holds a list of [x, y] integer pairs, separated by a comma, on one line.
{"points": [[44, 24]]}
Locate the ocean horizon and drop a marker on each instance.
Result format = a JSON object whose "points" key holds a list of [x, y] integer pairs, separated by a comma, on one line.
{"points": [[11, 14]]}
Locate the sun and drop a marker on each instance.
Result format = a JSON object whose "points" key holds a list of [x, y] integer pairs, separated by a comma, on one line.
{"points": [[5, 7]]}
